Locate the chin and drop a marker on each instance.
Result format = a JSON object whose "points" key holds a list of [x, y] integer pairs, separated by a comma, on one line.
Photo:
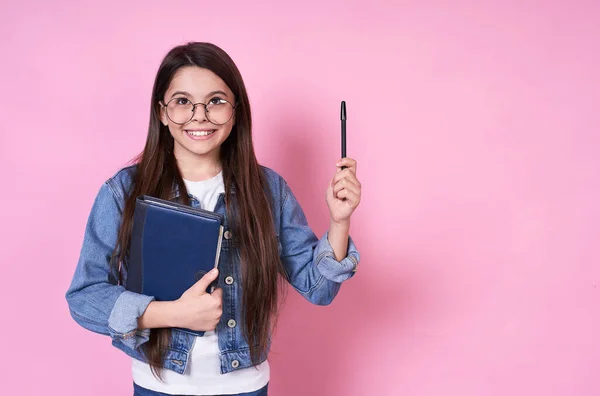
{"points": [[201, 149], [201, 153]]}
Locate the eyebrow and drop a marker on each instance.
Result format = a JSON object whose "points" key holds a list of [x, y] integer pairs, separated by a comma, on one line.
{"points": [[188, 94], [217, 92], [180, 93]]}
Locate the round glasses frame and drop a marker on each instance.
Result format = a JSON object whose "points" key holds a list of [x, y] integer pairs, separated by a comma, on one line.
{"points": [[194, 105]]}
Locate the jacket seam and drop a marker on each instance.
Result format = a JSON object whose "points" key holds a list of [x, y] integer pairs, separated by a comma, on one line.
{"points": [[316, 285], [354, 261], [113, 190], [351, 257], [284, 200], [86, 319], [169, 349], [123, 336], [112, 180], [228, 351], [322, 255]]}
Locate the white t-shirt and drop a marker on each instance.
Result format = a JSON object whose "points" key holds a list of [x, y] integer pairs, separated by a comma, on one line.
{"points": [[203, 375]]}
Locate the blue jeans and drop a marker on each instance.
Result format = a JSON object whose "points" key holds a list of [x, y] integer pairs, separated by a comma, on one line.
{"points": [[139, 391]]}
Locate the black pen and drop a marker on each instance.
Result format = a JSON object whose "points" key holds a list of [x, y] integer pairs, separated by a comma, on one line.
{"points": [[343, 118]]}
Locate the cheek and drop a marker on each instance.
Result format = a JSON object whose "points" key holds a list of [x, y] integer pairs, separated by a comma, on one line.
{"points": [[174, 130], [227, 129]]}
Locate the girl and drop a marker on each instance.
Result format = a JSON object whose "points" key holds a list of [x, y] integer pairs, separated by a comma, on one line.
{"points": [[199, 152]]}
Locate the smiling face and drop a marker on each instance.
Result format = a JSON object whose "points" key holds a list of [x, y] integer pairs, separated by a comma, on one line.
{"points": [[193, 132]]}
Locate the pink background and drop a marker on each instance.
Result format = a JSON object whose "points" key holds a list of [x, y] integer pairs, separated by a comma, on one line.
{"points": [[476, 129]]}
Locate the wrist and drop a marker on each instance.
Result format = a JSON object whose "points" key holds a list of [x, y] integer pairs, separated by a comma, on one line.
{"points": [[341, 225], [159, 314], [339, 232], [171, 313]]}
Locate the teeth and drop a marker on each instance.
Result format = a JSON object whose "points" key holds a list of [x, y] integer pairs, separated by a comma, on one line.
{"points": [[200, 133]]}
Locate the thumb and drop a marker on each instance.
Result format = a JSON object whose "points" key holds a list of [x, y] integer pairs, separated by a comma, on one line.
{"points": [[200, 287], [218, 294]]}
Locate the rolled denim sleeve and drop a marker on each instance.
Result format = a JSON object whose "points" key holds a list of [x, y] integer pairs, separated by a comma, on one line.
{"points": [[310, 262], [95, 300], [329, 267]]}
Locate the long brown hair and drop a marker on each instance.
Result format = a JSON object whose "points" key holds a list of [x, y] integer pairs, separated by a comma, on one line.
{"points": [[248, 210]]}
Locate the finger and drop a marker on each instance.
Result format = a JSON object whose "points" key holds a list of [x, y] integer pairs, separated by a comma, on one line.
{"points": [[346, 184], [349, 163], [349, 197], [200, 287], [350, 179], [347, 194], [342, 194], [343, 174]]}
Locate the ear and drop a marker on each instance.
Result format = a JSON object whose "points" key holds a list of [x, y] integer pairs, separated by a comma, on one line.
{"points": [[163, 114]]}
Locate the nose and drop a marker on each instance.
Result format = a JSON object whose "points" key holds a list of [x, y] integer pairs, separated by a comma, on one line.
{"points": [[199, 113]]}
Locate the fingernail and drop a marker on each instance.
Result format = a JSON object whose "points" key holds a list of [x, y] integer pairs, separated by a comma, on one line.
{"points": [[213, 271]]}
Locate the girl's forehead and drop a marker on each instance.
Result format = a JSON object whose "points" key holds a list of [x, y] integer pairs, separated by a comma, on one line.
{"points": [[197, 81]]}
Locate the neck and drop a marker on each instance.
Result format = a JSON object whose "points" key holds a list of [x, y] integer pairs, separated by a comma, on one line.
{"points": [[195, 167]]}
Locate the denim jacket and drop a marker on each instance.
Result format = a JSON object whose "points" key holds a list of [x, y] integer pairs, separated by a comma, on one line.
{"points": [[98, 303]]}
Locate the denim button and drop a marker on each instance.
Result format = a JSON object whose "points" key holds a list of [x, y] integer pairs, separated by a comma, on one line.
{"points": [[229, 280], [231, 323], [227, 234], [235, 364]]}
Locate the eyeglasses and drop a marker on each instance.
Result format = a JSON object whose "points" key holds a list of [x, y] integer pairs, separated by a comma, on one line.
{"points": [[181, 110]]}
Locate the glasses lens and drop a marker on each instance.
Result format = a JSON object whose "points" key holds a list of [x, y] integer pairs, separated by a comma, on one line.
{"points": [[219, 111], [180, 110]]}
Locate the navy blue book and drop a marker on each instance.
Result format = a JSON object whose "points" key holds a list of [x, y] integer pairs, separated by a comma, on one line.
{"points": [[172, 247]]}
